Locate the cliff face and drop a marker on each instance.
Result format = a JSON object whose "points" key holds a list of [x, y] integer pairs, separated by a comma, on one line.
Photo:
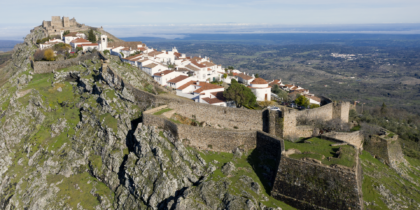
{"points": [[71, 140]]}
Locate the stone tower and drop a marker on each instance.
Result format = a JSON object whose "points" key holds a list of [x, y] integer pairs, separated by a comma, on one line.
{"points": [[103, 42]]}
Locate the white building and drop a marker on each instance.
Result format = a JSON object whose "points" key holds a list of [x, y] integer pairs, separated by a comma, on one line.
{"points": [[164, 76], [77, 42], [261, 89], [72, 36], [178, 81], [49, 43]]}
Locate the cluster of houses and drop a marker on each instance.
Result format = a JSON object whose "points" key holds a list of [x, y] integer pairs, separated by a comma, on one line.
{"points": [[191, 77]]}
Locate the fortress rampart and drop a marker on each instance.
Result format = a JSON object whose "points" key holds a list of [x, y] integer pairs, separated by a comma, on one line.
{"points": [[41, 67], [303, 184], [353, 138], [386, 148]]}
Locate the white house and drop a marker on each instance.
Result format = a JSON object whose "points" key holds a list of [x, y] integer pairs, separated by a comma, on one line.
{"points": [[49, 43], [75, 43], [313, 99], [216, 98], [261, 89], [164, 76], [86, 47], [72, 36], [153, 68], [179, 81], [245, 79]]}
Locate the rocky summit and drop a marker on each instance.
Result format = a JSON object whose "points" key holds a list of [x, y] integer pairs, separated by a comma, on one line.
{"points": [[73, 140]]}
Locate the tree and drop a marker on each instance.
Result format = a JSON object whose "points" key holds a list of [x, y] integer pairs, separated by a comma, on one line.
{"points": [[257, 76], [92, 36], [302, 101], [283, 95], [49, 55], [224, 76], [275, 89], [66, 32], [39, 55], [231, 68], [383, 108], [241, 94]]}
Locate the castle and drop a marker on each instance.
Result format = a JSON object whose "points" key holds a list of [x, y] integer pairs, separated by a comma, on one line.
{"points": [[58, 24]]}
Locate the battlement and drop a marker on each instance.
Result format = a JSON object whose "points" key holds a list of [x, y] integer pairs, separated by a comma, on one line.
{"points": [[58, 24]]}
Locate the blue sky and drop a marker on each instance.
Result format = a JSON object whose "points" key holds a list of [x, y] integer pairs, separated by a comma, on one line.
{"points": [[21, 15]]}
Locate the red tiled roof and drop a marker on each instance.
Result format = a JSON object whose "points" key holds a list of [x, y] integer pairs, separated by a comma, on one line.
{"points": [[80, 40], [313, 98], [259, 81], [85, 45], [198, 64], [276, 81], [186, 85], [219, 95], [163, 73], [152, 65], [244, 76], [178, 79], [153, 53], [192, 68], [259, 87], [206, 86]]}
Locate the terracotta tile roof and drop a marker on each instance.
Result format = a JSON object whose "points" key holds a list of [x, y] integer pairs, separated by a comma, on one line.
{"points": [[177, 54], [143, 60], [213, 100], [244, 76], [159, 74], [192, 68], [219, 95], [313, 98], [259, 87], [259, 81], [178, 79], [80, 40], [183, 69], [126, 49], [186, 85], [208, 64], [276, 81], [289, 86], [85, 45], [206, 86], [71, 34], [152, 65], [153, 53], [198, 64]]}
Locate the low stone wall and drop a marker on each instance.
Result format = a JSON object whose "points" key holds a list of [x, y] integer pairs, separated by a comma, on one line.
{"points": [[304, 131], [231, 118], [307, 185], [205, 138], [353, 138], [41, 67]]}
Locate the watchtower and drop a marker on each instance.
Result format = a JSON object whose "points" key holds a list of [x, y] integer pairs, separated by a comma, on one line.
{"points": [[103, 42]]}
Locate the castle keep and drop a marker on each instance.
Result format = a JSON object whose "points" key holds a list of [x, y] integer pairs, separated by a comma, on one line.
{"points": [[58, 24]]}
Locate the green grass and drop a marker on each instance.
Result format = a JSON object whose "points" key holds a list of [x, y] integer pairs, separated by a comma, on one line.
{"points": [[76, 189], [245, 165], [321, 149], [160, 112], [377, 174], [110, 121]]}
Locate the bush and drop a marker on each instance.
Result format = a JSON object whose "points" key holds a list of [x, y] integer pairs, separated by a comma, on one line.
{"points": [[302, 101], [49, 55], [79, 49], [312, 106], [39, 55], [106, 52]]}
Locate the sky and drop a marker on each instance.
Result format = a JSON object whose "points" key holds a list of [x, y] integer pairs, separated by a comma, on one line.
{"points": [[137, 17]]}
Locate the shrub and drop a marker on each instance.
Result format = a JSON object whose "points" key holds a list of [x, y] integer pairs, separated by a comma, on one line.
{"points": [[106, 52], [79, 49], [66, 32], [302, 101], [39, 55], [312, 106], [49, 55]]}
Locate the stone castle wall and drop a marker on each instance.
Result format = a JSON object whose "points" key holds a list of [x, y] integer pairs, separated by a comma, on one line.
{"points": [[330, 111], [309, 185], [41, 67], [353, 138], [387, 149], [205, 138]]}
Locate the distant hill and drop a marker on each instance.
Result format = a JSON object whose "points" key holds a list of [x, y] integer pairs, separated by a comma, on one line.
{"points": [[7, 45]]}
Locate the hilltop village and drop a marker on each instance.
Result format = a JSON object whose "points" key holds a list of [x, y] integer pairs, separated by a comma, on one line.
{"points": [[306, 158], [195, 78]]}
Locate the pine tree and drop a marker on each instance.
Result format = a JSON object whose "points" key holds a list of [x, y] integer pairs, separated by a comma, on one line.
{"points": [[383, 108], [92, 36], [240, 94]]}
